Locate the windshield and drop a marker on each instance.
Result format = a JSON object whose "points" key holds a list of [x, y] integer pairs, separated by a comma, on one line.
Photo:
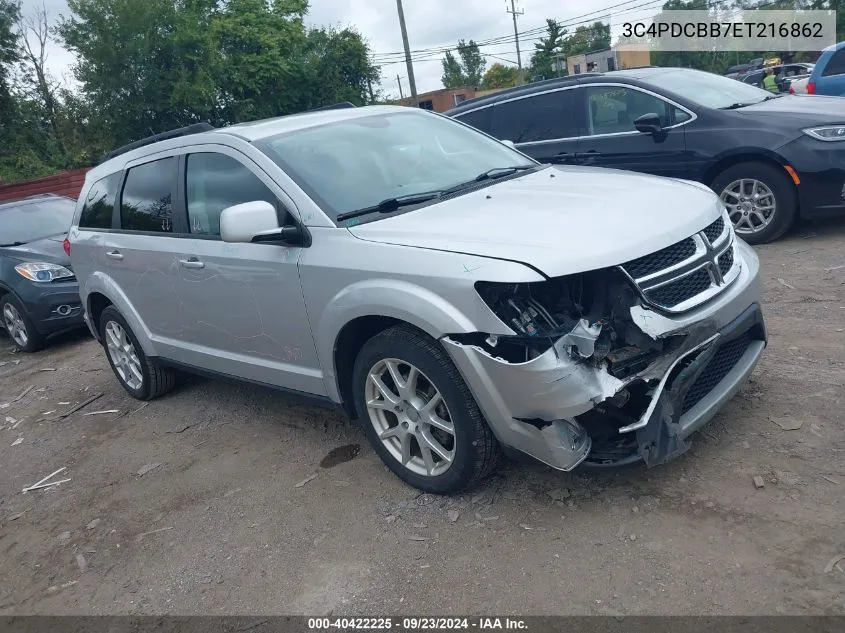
{"points": [[32, 220], [358, 163], [707, 89]]}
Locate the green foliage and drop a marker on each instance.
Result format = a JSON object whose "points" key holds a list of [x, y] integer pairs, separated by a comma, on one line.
{"points": [[466, 69], [499, 76], [543, 60]]}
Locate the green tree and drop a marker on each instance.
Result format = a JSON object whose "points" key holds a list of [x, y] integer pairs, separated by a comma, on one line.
{"points": [[466, 69], [9, 16], [339, 68], [499, 76], [542, 64]]}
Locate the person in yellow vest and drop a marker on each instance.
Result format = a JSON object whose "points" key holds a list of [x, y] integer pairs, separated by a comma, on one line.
{"points": [[769, 81]]}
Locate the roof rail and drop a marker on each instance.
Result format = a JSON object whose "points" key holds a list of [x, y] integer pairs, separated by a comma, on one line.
{"points": [[336, 106], [196, 128]]}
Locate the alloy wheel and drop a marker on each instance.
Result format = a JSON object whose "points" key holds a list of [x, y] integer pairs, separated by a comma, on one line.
{"points": [[751, 205], [123, 356], [410, 417], [15, 325]]}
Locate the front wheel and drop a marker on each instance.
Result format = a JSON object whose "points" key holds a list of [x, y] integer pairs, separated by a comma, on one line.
{"points": [[760, 199], [418, 413], [19, 326]]}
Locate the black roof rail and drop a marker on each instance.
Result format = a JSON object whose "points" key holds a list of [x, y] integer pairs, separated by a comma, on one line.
{"points": [[335, 106], [196, 128]]}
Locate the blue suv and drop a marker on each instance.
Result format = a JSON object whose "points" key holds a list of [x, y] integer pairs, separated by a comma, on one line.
{"points": [[828, 76]]}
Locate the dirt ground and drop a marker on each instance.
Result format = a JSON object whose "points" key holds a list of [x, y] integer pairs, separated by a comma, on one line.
{"points": [[227, 519]]}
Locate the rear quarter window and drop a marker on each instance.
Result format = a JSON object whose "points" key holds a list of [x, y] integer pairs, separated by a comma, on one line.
{"points": [[481, 119], [835, 65], [98, 206]]}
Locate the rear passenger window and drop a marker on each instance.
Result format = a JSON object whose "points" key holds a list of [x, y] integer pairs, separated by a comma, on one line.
{"points": [[214, 182], [147, 200], [538, 118], [479, 119], [836, 64], [99, 203]]}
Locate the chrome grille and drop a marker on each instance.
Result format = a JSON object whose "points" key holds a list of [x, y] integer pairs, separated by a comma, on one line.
{"points": [[687, 273]]}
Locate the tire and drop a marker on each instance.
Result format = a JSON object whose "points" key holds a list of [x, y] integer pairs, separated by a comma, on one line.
{"points": [[472, 449], [150, 381], [772, 178], [19, 326]]}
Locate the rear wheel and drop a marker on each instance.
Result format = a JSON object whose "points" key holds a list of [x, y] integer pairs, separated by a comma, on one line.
{"points": [[18, 325], [760, 199], [140, 376], [418, 413]]}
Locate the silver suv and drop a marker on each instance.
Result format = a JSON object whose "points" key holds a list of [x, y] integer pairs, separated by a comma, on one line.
{"points": [[449, 292]]}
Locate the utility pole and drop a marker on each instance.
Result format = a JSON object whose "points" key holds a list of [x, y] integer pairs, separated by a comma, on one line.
{"points": [[399, 81], [370, 90], [408, 61], [515, 13]]}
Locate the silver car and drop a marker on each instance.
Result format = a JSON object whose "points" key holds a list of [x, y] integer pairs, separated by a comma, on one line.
{"points": [[456, 297]]}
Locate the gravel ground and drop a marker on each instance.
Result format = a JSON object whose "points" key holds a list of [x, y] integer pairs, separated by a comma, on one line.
{"points": [[228, 516]]}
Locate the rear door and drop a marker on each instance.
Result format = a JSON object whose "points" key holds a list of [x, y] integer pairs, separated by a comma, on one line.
{"points": [[611, 140], [830, 79], [544, 126]]}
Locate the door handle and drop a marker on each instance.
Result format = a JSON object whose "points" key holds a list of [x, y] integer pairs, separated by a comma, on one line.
{"points": [[193, 262], [115, 254], [589, 154], [562, 157]]}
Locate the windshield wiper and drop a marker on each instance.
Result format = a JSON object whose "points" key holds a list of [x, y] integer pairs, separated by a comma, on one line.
{"points": [[737, 105], [500, 172], [390, 205], [12, 244]]}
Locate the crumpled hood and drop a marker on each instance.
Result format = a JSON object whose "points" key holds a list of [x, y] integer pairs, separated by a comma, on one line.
{"points": [[560, 220]]}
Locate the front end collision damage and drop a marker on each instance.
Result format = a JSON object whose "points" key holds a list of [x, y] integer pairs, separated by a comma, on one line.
{"points": [[591, 374]]}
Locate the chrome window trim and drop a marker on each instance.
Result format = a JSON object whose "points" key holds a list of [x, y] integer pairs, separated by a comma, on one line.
{"points": [[693, 115]]}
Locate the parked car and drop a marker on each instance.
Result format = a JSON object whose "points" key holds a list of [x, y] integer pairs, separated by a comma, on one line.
{"points": [[741, 69], [449, 292], [798, 86], [784, 74], [39, 296], [770, 158], [828, 76]]}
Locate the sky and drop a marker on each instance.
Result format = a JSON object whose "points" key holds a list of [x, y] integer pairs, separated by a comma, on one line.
{"points": [[430, 24]]}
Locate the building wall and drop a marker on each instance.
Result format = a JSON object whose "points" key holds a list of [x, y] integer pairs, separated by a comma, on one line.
{"points": [[623, 56], [67, 183], [632, 57], [442, 100]]}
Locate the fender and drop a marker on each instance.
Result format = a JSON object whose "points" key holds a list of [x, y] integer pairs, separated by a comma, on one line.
{"points": [[100, 282], [397, 299]]}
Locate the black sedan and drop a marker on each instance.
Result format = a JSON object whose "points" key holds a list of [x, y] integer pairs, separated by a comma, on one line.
{"points": [[770, 158], [39, 295]]}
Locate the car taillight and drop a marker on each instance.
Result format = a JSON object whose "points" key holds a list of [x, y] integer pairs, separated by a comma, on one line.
{"points": [[791, 90], [811, 88], [66, 246]]}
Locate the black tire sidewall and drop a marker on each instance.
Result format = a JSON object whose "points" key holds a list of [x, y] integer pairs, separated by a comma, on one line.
{"points": [[35, 340], [462, 470], [112, 314], [775, 179]]}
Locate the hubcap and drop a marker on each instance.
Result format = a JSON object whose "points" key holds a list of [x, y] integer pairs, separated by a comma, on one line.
{"points": [[123, 356], [15, 325], [410, 417], [751, 205]]}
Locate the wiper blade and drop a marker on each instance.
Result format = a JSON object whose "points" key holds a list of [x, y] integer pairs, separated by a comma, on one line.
{"points": [[499, 172], [735, 106], [391, 204], [12, 244]]}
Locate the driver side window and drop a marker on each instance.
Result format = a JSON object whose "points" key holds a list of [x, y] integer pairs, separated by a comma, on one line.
{"points": [[613, 109], [215, 181]]}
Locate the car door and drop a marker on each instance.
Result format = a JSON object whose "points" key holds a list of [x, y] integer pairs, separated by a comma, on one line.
{"points": [[242, 307], [611, 140], [142, 246], [543, 125]]}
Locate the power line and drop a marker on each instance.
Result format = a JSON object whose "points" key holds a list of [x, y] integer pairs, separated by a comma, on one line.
{"points": [[513, 11]]}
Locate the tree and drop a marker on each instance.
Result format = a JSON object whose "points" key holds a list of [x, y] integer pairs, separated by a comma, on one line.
{"points": [[465, 70], [9, 16], [499, 76], [543, 59], [339, 68], [587, 39]]}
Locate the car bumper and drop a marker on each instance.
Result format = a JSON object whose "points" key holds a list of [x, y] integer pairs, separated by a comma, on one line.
{"points": [[534, 407], [54, 307], [821, 169]]}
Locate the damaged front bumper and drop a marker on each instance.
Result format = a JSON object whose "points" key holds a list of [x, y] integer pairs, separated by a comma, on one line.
{"points": [[551, 406]]}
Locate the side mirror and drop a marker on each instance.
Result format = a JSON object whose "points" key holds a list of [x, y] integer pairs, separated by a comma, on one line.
{"points": [[509, 144], [257, 222], [648, 123]]}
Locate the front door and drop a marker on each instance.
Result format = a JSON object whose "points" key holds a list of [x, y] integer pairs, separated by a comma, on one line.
{"points": [[611, 140], [242, 308], [545, 126]]}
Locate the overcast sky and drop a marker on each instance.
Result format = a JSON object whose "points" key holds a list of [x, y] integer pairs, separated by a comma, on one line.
{"points": [[431, 24]]}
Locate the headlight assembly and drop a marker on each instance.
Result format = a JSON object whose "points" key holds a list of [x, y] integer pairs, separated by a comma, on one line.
{"points": [[826, 132], [42, 272]]}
